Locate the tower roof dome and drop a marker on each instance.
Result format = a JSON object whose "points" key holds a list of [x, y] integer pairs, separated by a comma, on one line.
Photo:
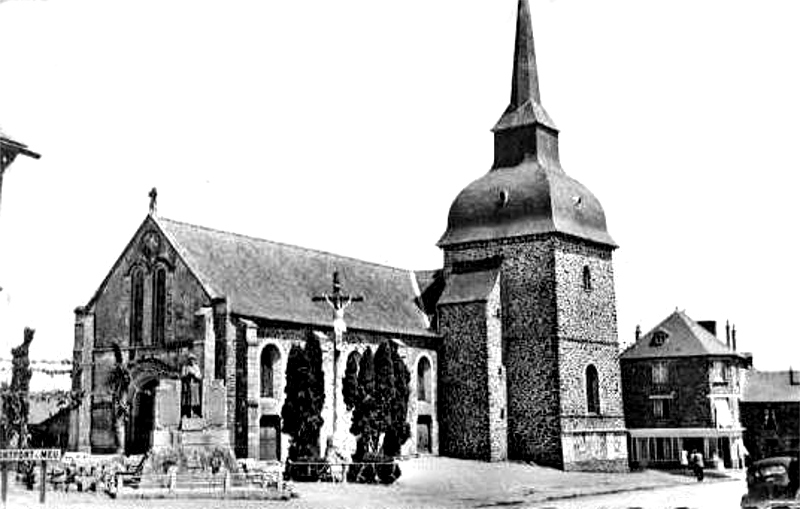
{"points": [[526, 192], [526, 199]]}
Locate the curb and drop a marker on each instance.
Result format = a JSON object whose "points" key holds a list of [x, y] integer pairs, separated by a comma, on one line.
{"points": [[626, 490]]}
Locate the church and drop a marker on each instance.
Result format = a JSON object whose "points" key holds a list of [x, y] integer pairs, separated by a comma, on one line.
{"points": [[511, 345]]}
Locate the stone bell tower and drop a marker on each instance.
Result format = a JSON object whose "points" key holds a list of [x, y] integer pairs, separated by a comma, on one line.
{"points": [[528, 367]]}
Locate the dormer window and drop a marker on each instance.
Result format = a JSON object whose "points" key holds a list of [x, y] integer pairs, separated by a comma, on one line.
{"points": [[659, 338]]}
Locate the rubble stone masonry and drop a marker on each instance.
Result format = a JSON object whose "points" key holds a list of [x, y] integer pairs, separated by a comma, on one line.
{"points": [[552, 329]]}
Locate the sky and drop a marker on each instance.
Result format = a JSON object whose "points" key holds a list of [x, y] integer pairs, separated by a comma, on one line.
{"points": [[350, 126]]}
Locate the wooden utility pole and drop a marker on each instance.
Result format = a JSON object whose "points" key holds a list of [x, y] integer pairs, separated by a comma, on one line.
{"points": [[338, 301]]}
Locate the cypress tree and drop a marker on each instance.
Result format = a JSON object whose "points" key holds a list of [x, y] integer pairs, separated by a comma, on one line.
{"points": [[350, 382], [384, 387], [399, 430], [316, 377], [363, 422], [305, 397]]}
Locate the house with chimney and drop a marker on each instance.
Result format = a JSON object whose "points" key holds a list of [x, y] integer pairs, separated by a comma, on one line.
{"points": [[682, 387], [770, 412]]}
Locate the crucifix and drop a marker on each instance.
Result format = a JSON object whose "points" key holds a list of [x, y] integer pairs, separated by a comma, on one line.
{"points": [[338, 302], [153, 194]]}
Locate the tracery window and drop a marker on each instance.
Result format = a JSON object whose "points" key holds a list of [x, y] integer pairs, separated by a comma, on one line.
{"points": [[137, 306], [159, 305]]}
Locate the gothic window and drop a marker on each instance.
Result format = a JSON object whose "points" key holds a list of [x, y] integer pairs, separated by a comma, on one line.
{"points": [[270, 356], [424, 379], [660, 373], [137, 306], [587, 278], [592, 390], [159, 305]]}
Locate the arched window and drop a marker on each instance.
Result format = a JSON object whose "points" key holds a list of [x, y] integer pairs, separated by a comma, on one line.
{"points": [[592, 390], [424, 379], [270, 356], [159, 305], [137, 306], [587, 278]]}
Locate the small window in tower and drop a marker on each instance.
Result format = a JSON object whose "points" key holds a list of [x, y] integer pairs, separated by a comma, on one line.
{"points": [[587, 278], [592, 390]]}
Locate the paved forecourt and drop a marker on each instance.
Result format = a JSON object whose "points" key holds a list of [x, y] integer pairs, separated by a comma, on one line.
{"points": [[447, 482]]}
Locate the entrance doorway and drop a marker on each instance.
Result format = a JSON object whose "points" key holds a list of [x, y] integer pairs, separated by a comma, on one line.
{"points": [[424, 434], [140, 429], [269, 440]]}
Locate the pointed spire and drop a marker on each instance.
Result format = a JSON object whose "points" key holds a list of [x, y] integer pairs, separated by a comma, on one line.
{"points": [[525, 81], [525, 107], [525, 129]]}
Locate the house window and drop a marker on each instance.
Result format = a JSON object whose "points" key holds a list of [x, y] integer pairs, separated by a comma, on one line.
{"points": [[592, 390], [159, 305], [137, 306], [661, 408], [770, 420], [720, 373], [660, 373], [270, 356], [424, 379], [587, 278]]}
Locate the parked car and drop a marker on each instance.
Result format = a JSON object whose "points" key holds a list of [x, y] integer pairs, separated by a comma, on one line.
{"points": [[772, 483]]}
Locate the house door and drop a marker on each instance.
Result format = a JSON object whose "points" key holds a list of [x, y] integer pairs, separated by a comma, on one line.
{"points": [[269, 442], [140, 434], [424, 434]]}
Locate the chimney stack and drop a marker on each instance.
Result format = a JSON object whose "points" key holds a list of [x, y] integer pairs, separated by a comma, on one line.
{"points": [[791, 376], [638, 332], [733, 337], [728, 333]]}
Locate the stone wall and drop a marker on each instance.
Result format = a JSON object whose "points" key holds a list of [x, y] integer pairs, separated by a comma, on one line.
{"points": [[496, 374], [688, 383], [552, 329], [464, 389], [529, 320]]}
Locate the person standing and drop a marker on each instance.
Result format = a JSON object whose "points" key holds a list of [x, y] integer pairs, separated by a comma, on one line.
{"points": [[696, 462]]}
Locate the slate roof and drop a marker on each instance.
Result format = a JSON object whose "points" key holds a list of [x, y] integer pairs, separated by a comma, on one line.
{"points": [[469, 287], [686, 338], [771, 387], [276, 281]]}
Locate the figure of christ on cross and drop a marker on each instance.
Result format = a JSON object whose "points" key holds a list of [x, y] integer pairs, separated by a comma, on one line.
{"points": [[338, 302]]}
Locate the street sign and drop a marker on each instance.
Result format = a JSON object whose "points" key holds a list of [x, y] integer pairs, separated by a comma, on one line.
{"points": [[29, 455]]}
